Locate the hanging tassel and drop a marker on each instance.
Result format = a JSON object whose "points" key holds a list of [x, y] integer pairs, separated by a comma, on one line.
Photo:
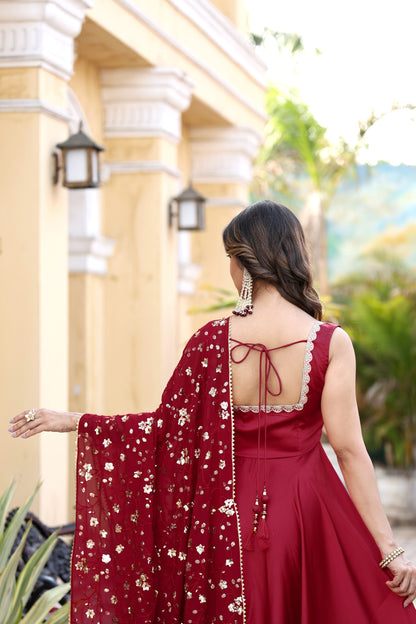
{"points": [[249, 543], [263, 536]]}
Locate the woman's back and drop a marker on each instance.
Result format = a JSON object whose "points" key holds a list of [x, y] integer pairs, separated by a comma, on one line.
{"points": [[282, 329]]}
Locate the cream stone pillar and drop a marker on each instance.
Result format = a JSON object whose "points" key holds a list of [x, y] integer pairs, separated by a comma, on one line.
{"points": [[36, 60], [89, 252], [142, 129], [222, 172]]}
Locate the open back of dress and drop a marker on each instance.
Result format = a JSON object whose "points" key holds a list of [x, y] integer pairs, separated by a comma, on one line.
{"points": [[308, 558]]}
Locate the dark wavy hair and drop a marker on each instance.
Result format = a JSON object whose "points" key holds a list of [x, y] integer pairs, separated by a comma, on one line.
{"points": [[268, 240]]}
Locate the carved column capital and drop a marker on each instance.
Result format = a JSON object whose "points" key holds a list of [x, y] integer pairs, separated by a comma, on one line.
{"points": [[40, 33], [223, 154], [145, 102]]}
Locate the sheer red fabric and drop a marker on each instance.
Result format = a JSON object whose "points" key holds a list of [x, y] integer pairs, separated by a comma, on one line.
{"points": [[160, 496], [157, 537]]}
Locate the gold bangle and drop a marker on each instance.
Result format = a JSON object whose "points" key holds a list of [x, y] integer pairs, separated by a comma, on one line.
{"points": [[389, 558]]}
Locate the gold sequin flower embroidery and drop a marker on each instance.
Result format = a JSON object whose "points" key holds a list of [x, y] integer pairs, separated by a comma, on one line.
{"points": [[183, 416], [228, 507]]}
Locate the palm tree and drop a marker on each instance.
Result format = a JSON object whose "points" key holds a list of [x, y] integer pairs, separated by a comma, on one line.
{"points": [[298, 161]]}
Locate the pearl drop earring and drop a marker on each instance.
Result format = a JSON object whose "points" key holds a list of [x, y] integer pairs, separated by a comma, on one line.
{"points": [[245, 302]]}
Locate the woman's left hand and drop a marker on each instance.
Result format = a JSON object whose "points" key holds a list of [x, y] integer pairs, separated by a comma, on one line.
{"points": [[29, 423], [403, 582]]}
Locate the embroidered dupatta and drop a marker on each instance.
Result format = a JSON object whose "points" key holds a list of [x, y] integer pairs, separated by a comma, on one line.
{"points": [[157, 532]]}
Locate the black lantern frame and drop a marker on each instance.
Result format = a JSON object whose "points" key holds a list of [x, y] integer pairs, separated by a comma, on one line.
{"points": [[82, 143], [190, 210]]}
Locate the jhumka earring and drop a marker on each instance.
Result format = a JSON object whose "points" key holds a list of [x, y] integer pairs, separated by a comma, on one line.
{"points": [[245, 302]]}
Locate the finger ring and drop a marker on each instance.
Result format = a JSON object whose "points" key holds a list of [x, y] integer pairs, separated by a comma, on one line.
{"points": [[30, 415]]}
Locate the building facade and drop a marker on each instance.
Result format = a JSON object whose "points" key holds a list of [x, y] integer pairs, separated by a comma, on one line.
{"points": [[96, 285]]}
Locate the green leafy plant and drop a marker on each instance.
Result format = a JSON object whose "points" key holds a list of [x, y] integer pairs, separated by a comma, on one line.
{"points": [[380, 315], [15, 592]]}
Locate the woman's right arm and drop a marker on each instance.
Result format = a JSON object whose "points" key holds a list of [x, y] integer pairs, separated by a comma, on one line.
{"points": [[44, 420]]}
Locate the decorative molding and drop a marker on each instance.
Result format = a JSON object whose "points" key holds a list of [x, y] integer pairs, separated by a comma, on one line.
{"points": [[138, 166], [88, 249], [89, 254], [144, 102], [223, 155], [188, 275], [34, 106], [40, 33], [212, 23], [76, 113], [188, 53], [188, 272]]}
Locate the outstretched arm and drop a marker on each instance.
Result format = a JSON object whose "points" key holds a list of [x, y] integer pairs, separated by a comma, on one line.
{"points": [[27, 424], [342, 424]]}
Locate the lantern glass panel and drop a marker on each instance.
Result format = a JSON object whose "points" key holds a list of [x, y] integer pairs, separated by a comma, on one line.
{"points": [[188, 215], [95, 175], [76, 166]]}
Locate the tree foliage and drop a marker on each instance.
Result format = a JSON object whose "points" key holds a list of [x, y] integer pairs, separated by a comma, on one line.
{"points": [[297, 157], [380, 315]]}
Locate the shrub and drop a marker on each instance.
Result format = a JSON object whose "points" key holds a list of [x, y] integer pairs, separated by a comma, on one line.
{"points": [[15, 587]]}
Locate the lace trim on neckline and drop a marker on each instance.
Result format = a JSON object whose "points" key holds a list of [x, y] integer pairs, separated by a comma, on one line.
{"points": [[305, 381]]}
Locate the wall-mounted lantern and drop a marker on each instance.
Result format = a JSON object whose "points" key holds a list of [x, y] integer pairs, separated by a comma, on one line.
{"points": [[190, 210], [80, 162]]}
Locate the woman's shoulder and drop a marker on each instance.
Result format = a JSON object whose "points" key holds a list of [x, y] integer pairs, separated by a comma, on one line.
{"points": [[217, 325], [210, 332], [341, 344]]}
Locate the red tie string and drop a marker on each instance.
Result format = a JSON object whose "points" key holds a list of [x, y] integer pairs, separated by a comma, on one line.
{"points": [[265, 363]]}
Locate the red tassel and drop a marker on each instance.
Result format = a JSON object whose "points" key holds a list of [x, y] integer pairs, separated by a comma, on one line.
{"points": [[249, 544], [263, 537]]}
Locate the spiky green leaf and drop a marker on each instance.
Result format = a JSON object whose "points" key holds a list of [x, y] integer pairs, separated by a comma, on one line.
{"points": [[38, 612], [8, 578], [5, 501], [28, 577], [61, 616], [9, 536]]}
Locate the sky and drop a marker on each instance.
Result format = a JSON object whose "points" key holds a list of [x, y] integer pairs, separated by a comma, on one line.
{"points": [[367, 62]]}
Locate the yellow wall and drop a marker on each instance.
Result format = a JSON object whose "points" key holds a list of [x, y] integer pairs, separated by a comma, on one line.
{"points": [[234, 10], [107, 343], [222, 84], [85, 83], [140, 293], [33, 317]]}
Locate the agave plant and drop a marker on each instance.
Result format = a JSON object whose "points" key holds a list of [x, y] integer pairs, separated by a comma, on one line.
{"points": [[15, 589]]}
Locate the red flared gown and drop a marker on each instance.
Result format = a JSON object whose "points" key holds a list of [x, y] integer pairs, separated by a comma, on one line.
{"points": [[321, 565]]}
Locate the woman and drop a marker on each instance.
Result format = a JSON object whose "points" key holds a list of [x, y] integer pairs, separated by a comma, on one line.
{"points": [[221, 505]]}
